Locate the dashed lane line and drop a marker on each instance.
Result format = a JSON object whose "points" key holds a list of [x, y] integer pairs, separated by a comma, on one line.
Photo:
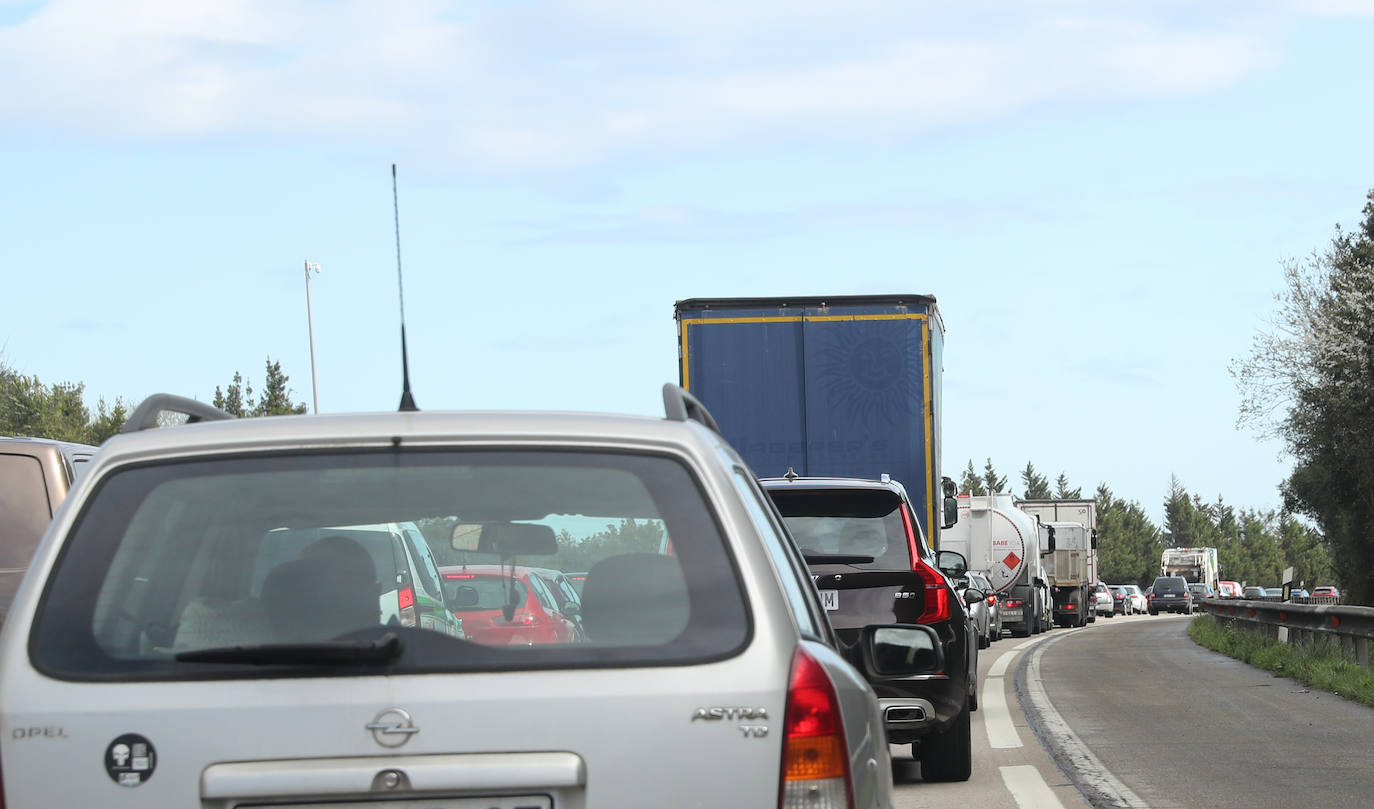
{"points": [[1001, 730], [1028, 788], [999, 666]]}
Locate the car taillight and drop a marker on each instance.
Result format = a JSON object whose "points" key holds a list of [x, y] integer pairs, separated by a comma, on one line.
{"points": [[460, 575], [1069, 605], [1013, 603], [815, 758], [937, 591], [406, 600], [992, 600]]}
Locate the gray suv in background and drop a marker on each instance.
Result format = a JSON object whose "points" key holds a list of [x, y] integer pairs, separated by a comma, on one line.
{"points": [[706, 672]]}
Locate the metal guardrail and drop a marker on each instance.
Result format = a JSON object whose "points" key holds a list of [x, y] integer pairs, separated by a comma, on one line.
{"points": [[1354, 626]]}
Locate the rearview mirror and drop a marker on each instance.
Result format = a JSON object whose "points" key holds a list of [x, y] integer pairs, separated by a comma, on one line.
{"points": [[973, 595], [465, 537], [504, 538]]}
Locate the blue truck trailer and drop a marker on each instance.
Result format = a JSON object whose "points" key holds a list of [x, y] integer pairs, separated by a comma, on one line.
{"points": [[845, 386]]}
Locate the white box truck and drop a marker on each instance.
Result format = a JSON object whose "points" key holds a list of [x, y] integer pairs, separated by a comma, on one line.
{"points": [[1193, 564], [1006, 543], [1072, 568]]}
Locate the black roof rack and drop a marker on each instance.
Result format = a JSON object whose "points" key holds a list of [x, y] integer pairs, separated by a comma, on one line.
{"points": [[145, 415], [679, 405]]}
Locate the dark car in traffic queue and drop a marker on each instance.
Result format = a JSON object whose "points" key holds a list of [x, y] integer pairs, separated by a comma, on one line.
{"points": [[1200, 591], [985, 614], [871, 563], [1171, 594]]}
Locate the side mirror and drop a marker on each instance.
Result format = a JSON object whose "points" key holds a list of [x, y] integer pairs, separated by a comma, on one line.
{"points": [[1094, 539], [952, 564], [947, 488], [951, 512], [572, 610], [973, 595], [1049, 540], [897, 651]]}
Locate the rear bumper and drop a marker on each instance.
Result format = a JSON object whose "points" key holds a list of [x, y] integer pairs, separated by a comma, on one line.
{"points": [[1169, 606]]}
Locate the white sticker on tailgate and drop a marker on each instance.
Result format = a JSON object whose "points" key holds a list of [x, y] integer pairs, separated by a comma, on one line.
{"points": [[830, 599]]}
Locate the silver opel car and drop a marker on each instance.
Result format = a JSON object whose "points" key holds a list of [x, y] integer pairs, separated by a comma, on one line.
{"points": [[165, 649]]}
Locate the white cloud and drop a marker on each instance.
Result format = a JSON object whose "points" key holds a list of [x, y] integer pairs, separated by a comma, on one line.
{"points": [[529, 85]]}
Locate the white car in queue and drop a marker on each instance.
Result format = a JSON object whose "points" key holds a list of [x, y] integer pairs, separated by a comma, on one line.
{"points": [[167, 649]]}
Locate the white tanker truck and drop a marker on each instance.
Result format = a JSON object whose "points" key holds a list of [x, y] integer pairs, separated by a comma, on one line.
{"points": [[1005, 542]]}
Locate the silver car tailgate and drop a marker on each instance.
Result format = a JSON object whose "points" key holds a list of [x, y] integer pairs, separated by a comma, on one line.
{"points": [[590, 737]]}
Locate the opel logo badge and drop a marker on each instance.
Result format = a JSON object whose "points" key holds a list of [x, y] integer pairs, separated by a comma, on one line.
{"points": [[392, 727]]}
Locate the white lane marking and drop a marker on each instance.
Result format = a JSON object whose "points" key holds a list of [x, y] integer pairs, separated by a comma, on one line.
{"points": [[1091, 772], [1028, 788], [996, 717], [999, 666]]}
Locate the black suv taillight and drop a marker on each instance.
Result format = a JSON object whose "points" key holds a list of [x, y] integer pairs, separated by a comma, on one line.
{"points": [[936, 608]]}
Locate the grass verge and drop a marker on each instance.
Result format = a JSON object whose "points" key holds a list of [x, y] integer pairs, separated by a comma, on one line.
{"points": [[1318, 666]]}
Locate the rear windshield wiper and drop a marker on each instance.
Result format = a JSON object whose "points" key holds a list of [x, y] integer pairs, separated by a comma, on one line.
{"points": [[835, 558], [384, 649]]}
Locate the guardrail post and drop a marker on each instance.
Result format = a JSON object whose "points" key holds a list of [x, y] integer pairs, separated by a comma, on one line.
{"points": [[1362, 651], [1347, 647]]}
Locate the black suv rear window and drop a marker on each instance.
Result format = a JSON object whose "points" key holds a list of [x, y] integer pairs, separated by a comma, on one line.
{"points": [[1170, 585], [168, 561], [860, 522]]}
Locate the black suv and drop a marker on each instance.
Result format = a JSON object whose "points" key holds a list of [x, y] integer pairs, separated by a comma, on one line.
{"points": [[871, 563], [1171, 594]]}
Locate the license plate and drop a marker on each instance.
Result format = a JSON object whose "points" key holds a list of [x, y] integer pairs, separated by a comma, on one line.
{"points": [[497, 802], [1012, 614], [830, 599]]}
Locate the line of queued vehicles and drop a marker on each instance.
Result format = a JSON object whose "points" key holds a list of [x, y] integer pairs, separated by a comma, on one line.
{"points": [[910, 580]]}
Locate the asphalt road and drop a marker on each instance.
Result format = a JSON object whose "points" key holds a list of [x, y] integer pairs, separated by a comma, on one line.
{"points": [[1129, 712], [1180, 726], [1011, 769]]}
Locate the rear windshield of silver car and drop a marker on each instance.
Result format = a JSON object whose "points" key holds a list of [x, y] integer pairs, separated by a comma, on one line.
{"points": [[310, 565]]}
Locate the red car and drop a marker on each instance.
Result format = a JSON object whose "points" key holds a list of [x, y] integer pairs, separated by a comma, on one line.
{"points": [[475, 593]]}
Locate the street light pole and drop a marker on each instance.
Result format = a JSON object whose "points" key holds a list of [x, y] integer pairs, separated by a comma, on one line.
{"points": [[310, 324]]}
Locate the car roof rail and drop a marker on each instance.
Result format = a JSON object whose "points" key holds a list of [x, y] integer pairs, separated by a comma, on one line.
{"points": [[145, 415], [679, 405]]}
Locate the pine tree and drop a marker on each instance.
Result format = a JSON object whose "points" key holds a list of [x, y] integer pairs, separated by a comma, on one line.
{"points": [[971, 483], [1037, 486], [992, 481]]}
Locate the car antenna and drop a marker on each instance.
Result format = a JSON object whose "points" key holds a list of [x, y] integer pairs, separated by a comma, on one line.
{"points": [[407, 401]]}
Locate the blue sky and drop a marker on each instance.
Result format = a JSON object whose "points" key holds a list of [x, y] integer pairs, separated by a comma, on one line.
{"points": [[1099, 194]]}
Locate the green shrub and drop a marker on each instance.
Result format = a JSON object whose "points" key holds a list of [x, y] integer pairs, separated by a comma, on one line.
{"points": [[1319, 665]]}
